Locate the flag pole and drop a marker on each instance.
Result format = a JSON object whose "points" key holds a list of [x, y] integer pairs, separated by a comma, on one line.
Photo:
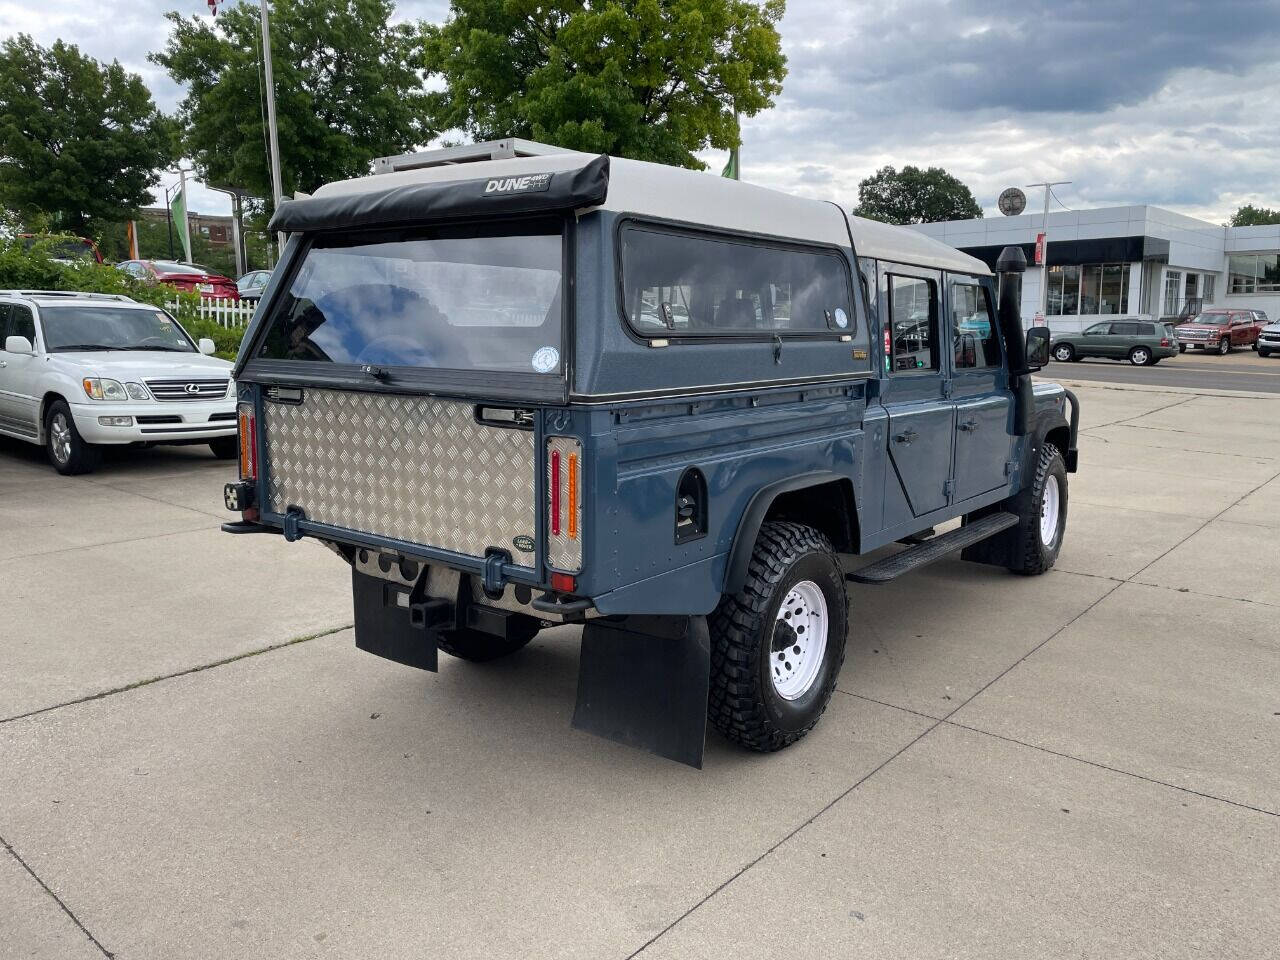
{"points": [[273, 148]]}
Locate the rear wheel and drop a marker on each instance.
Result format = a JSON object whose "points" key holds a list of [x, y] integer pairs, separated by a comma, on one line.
{"points": [[225, 448], [1140, 356], [778, 643], [68, 451], [1064, 352]]}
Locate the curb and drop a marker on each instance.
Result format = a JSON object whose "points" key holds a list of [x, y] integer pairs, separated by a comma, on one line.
{"points": [[1144, 388]]}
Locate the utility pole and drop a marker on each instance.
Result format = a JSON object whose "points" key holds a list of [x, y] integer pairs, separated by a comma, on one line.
{"points": [[1044, 233], [168, 219], [273, 143]]}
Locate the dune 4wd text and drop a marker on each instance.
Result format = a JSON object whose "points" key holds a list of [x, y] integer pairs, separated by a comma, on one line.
{"points": [[653, 402]]}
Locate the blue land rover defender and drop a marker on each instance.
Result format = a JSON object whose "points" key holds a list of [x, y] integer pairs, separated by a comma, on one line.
{"points": [[516, 387]]}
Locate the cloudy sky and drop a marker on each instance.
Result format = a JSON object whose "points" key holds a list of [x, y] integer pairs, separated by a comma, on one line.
{"points": [[1175, 103]]}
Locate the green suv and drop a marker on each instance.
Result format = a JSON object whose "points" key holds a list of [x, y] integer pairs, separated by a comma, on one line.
{"points": [[1141, 342]]}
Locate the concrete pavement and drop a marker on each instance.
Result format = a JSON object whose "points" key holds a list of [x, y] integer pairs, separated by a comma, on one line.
{"points": [[1082, 764]]}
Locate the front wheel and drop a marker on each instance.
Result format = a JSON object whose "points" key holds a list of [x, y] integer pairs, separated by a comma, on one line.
{"points": [[68, 451], [1264, 352], [1042, 515], [1182, 348], [1224, 346], [1064, 352], [1140, 356], [778, 643]]}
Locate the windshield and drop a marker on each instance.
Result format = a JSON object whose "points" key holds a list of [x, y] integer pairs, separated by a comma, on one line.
{"points": [[1213, 319], [70, 248], [458, 298], [111, 328], [164, 267]]}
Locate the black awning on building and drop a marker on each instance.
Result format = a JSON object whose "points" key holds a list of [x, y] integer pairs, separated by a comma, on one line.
{"points": [[1098, 250]]}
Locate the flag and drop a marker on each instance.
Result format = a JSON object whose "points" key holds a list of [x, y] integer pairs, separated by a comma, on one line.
{"points": [[179, 211], [731, 168], [131, 237]]}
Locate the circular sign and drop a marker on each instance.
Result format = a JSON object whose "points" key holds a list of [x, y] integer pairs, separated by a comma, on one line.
{"points": [[1012, 202], [842, 318], [546, 359]]}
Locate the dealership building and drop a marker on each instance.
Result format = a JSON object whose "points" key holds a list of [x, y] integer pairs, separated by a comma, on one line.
{"points": [[1129, 261]]}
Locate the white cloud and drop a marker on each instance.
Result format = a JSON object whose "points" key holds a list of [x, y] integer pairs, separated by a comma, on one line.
{"points": [[1178, 107]]}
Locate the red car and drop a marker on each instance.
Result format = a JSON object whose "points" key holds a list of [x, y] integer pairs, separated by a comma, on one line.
{"points": [[1220, 330], [185, 276]]}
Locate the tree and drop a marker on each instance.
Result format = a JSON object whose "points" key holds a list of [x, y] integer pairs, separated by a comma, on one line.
{"points": [[648, 79], [79, 141], [347, 90], [1251, 216], [915, 196]]}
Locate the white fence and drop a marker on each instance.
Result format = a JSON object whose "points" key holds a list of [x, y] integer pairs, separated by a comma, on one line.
{"points": [[227, 313]]}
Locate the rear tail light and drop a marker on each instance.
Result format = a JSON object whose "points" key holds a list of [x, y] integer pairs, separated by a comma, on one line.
{"points": [[564, 503], [1164, 341], [248, 421]]}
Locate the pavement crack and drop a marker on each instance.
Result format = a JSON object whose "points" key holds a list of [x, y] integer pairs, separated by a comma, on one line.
{"points": [[180, 673], [56, 899]]}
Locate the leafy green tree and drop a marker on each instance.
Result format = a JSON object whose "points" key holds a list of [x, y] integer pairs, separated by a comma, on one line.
{"points": [[1251, 216], [348, 89], [648, 79], [79, 141], [913, 195]]}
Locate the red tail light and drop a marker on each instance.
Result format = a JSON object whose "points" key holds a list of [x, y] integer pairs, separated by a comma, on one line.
{"points": [[1164, 341], [248, 421], [566, 482]]}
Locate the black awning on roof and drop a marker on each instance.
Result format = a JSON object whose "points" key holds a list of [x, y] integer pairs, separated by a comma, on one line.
{"points": [[1094, 250], [414, 203]]}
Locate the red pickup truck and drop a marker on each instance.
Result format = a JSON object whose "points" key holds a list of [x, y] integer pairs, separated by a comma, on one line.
{"points": [[1220, 330]]}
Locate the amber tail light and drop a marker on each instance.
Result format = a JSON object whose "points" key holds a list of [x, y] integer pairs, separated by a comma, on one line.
{"points": [[248, 421]]}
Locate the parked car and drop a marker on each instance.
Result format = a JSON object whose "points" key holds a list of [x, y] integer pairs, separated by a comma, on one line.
{"points": [[489, 412], [185, 276], [1141, 342], [1269, 339], [82, 370], [1220, 330], [251, 285], [65, 248]]}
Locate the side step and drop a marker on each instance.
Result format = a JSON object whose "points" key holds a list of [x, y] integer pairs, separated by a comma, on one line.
{"points": [[935, 548]]}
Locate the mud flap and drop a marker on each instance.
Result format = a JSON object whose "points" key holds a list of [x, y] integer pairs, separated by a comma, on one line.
{"points": [[644, 682], [390, 622]]}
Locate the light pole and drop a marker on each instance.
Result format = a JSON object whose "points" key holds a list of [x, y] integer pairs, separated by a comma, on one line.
{"points": [[1044, 256], [273, 146]]}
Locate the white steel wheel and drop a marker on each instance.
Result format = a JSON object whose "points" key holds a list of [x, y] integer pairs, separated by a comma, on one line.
{"points": [[799, 640], [1050, 506]]}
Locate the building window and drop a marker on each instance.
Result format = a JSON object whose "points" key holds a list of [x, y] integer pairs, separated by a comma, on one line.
{"points": [[1208, 282], [1172, 292], [1254, 273], [1094, 288]]}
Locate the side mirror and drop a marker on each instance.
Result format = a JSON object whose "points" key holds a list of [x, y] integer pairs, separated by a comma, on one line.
{"points": [[207, 346], [1038, 347], [19, 345]]}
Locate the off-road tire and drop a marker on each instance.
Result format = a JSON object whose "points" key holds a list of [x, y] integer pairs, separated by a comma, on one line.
{"points": [[1032, 555], [480, 647], [1140, 357], [81, 457], [1224, 346], [744, 704], [225, 448], [1064, 353]]}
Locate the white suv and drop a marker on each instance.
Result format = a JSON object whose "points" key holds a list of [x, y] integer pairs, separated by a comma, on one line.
{"points": [[78, 370]]}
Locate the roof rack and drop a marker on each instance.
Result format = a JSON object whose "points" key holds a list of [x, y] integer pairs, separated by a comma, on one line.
{"points": [[68, 295], [468, 153]]}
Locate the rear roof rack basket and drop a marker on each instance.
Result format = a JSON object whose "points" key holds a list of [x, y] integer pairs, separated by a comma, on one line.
{"points": [[468, 153]]}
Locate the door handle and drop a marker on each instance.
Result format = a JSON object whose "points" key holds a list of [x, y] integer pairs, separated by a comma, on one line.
{"points": [[906, 437], [969, 426]]}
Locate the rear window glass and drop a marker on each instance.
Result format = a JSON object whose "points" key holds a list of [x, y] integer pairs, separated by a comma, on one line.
{"points": [[461, 298], [691, 284]]}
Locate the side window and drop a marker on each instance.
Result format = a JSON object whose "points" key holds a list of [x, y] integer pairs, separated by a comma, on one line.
{"points": [[1125, 329], [1098, 330], [913, 319], [22, 324], [972, 329], [6, 312], [1146, 329], [677, 283]]}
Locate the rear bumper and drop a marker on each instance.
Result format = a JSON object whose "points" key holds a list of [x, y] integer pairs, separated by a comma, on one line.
{"points": [[193, 421]]}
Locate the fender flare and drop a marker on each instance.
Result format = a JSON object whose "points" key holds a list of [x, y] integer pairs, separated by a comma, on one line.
{"points": [[744, 541], [1047, 421]]}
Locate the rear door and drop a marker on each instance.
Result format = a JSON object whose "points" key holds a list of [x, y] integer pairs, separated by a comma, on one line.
{"points": [[917, 389], [23, 372], [984, 402], [1123, 336]]}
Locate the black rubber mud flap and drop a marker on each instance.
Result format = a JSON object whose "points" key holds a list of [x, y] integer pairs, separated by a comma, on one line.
{"points": [[389, 624], [644, 681]]}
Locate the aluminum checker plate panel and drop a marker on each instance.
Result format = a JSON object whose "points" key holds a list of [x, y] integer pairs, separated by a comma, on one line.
{"points": [[417, 469]]}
